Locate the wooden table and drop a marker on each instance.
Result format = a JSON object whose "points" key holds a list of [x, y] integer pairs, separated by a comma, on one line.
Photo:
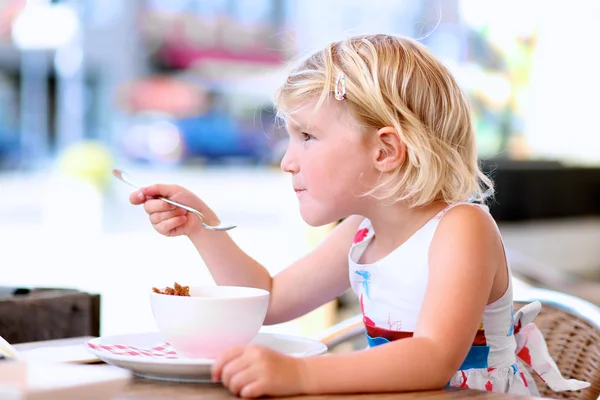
{"points": [[145, 389]]}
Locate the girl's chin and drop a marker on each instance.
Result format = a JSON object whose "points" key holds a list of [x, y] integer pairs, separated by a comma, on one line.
{"points": [[317, 220]]}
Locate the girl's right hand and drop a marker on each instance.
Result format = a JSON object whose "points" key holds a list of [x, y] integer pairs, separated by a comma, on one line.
{"points": [[167, 218]]}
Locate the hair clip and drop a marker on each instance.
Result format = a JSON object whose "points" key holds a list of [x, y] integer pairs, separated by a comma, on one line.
{"points": [[340, 87]]}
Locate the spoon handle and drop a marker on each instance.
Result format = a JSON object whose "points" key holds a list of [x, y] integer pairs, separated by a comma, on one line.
{"points": [[7, 350], [125, 178]]}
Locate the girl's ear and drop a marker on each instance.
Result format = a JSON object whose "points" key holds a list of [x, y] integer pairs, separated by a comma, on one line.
{"points": [[389, 150]]}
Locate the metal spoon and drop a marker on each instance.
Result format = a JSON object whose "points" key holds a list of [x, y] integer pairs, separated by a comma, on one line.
{"points": [[122, 175], [7, 351]]}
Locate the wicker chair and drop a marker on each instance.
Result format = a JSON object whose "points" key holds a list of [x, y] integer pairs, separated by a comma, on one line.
{"points": [[570, 325]]}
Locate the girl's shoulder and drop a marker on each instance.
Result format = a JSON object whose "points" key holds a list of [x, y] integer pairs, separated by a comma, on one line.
{"points": [[464, 217], [464, 206]]}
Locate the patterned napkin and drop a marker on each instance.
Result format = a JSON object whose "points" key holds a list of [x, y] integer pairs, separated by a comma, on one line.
{"points": [[163, 351]]}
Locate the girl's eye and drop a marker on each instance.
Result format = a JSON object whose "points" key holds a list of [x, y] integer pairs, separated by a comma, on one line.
{"points": [[307, 136]]}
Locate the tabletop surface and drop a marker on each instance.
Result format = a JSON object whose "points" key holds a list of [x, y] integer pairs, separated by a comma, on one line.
{"points": [[142, 389]]}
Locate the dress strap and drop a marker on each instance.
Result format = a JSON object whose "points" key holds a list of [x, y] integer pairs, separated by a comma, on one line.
{"points": [[439, 215]]}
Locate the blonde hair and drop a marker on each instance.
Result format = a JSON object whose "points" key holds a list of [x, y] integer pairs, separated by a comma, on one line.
{"points": [[395, 81]]}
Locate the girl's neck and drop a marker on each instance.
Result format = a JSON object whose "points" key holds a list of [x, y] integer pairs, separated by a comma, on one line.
{"points": [[396, 223]]}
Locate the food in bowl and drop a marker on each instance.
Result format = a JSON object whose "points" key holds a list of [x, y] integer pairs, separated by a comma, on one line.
{"points": [[176, 290], [211, 319]]}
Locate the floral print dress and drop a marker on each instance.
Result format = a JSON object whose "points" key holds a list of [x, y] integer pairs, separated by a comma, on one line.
{"points": [[391, 292]]}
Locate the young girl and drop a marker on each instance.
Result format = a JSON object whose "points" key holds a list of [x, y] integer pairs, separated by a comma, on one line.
{"points": [[381, 137]]}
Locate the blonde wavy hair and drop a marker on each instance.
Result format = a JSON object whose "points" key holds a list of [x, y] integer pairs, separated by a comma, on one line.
{"points": [[395, 81]]}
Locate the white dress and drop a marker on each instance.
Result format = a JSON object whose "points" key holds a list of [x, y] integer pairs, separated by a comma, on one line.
{"points": [[391, 292]]}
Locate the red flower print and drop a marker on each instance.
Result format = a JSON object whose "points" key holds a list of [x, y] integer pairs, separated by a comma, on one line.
{"points": [[489, 386], [524, 379], [362, 305], [524, 355], [361, 234], [463, 384], [367, 321], [517, 328]]}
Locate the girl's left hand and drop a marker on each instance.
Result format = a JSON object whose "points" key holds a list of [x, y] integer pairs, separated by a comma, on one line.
{"points": [[255, 371]]}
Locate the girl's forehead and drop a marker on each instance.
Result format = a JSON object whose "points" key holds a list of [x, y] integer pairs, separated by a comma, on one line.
{"points": [[308, 116]]}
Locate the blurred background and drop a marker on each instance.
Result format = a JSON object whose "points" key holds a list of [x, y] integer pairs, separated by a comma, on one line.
{"points": [[180, 91]]}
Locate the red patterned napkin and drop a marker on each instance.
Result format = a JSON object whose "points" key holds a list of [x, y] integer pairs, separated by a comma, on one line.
{"points": [[161, 351]]}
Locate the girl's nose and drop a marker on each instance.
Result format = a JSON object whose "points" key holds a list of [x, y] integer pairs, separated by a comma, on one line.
{"points": [[288, 162]]}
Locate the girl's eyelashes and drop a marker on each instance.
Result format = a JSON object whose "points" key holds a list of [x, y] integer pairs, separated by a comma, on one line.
{"points": [[307, 136]]}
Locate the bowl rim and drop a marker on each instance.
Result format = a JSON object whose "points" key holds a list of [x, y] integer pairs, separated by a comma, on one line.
{"points": [[252, 293]]}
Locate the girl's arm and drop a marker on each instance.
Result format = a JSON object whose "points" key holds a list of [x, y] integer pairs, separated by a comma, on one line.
{"points": [[314, 280], [465, 256]]}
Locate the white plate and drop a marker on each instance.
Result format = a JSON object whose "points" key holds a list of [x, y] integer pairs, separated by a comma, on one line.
{"points": [[76, 354], [189, 369]]}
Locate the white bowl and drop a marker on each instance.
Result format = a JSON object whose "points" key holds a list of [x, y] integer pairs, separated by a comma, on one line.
{"points": [[211, 320]]}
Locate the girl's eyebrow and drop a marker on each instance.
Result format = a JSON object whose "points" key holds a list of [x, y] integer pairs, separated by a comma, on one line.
{"points": [[295, 126]]}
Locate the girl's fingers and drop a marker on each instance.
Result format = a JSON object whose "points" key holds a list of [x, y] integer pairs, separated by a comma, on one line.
{"points": [[155, 206], [166, 226], [158, 217], [232, 369], [220, 363], [180, 230], [161, 190], [240, 381], [137, 198]]}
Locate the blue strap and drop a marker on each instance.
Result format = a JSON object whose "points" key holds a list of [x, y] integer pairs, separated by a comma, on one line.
{"points": [[476, 358]]}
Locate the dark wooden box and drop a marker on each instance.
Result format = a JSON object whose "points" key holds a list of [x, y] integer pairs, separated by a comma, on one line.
{"points": [[44, 314]]}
